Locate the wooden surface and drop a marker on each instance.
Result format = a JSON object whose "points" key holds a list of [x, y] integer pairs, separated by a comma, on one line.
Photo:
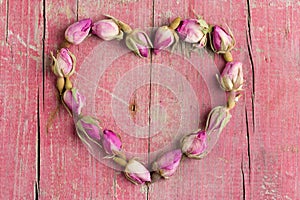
{"points": [[257, 155]]}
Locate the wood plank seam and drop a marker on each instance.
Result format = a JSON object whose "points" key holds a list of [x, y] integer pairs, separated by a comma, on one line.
{"points": [[251, 59], [38, 142], [250, 53]]}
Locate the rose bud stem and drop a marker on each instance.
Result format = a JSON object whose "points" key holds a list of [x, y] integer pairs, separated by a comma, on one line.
{"points": [[60, 84], [175, 23], [68, 84], [232, 99], [65, 44], [121, 154], [124, 27], [228, 56], [230, 102], [155, 177], [120, 161]]}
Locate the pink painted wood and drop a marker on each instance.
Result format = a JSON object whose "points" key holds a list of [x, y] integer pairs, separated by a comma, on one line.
{"points": [[257, 154]]}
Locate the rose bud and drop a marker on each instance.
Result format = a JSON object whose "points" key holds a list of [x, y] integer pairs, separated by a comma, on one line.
{"points": [[63, 66], [167, 164], [231, 78], [193, 31], [136, 172], [74, 101], [194, 145], [88, 129], [164, 37], [217, 119], [107, 29], [220, 40], [138, 42], [64, 63], [78, 31], [111, 142]]}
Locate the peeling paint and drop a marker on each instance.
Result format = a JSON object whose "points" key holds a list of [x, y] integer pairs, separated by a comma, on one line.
{"points": [[19, 38]]}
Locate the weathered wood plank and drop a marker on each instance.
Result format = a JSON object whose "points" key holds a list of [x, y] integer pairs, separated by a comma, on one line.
{"points": [[20, 69], [275, 140], [68, 171], [220, 174]]}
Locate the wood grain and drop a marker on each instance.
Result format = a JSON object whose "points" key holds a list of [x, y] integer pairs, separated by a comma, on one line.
{"points": [[257, 154]]}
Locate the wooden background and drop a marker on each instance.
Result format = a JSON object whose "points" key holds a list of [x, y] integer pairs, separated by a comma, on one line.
{"points": [[256, 157]]}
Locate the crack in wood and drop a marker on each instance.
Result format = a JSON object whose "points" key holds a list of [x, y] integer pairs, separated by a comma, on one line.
{"points": [[7, 11], [249, 21], [248, 142], [38, 137], [243, 179], [43, 50], [36, 190], [38, 145], [77, 9], [250, 53]]}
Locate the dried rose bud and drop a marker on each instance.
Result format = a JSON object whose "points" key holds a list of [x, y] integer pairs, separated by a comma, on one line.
{"points": [[220, 40], [74, 101], [194, 145], [88, 129], [78, 31], [167, 164], [107, 29], [111, 142], [193, 31], [231, 78], [136, 172], [138, 42], [217, 119], [164, 37], [64, 63]]}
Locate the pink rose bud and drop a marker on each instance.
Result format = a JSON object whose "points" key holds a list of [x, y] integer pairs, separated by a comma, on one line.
{"points": [[136, 172], [74, 101], [167, 164], [164, 37], [107, 29], [217, 119], [111, 142], [193, 31], [220, 40], [138, 42], [231, 78], [78, 31], [64, 63], [88, 129], [194, 145]]}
